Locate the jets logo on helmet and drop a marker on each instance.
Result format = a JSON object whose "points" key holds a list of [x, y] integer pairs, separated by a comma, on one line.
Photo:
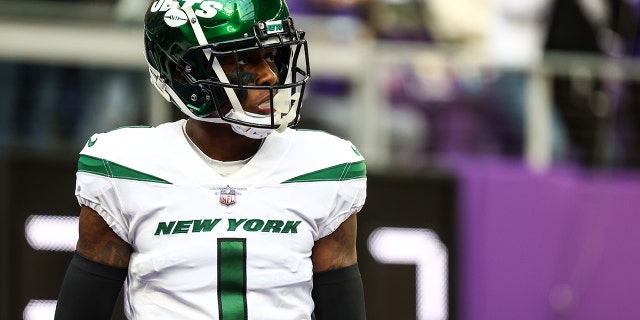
{"points": [[175, 18], [208, 9]]}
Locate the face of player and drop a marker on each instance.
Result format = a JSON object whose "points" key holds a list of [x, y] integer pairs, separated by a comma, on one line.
{"points": [[254, 68]]}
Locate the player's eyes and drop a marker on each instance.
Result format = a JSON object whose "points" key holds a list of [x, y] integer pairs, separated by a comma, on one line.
{"points": [[270, 55], [270, 58]]}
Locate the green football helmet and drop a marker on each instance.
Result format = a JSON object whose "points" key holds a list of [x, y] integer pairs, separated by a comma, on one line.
{"points": [[186, 39]]}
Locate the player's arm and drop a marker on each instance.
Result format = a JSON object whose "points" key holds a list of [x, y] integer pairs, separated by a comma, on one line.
{"points": [[337, 287], [96, 273]]}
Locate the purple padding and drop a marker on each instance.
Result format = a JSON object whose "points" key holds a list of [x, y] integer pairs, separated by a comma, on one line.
{"points": [[560, 245]]}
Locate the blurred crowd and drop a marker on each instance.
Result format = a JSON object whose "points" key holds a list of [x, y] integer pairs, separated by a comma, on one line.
{"points": [[447, 107], [480, 108]]}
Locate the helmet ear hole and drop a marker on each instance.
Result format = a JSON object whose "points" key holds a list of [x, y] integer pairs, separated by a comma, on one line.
{"points": [[176, 73], [179, 76]]}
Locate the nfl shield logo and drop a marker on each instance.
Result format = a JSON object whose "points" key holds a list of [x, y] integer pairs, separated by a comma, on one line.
{"points": [[228, 196]]}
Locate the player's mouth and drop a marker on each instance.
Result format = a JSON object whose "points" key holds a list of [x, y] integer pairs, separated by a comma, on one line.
{"points": [[264, 106]]}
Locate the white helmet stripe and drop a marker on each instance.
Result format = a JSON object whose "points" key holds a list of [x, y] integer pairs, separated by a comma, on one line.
{"points": [[235, 102], [217, 68]]}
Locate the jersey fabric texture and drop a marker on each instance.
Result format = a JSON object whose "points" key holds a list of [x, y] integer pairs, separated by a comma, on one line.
{"points": [[205, 246]]}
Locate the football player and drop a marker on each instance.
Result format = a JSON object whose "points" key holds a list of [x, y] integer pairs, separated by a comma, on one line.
{"points": [[231, 213]]}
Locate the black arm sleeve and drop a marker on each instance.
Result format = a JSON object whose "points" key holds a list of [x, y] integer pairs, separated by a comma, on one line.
{"points": [[339, 295], [89, 290]]}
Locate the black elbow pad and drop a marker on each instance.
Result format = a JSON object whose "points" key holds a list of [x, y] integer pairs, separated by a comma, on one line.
{"points": [[339, 295], [89, 290]]}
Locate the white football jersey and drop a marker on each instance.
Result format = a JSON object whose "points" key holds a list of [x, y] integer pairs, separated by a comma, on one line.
{"points": [[207, 246]]}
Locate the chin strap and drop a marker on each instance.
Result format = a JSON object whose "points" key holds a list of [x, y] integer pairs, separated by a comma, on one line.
{"points": [[170, 95]]}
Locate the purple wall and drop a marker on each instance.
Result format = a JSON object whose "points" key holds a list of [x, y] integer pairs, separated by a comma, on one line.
{"points": [[559, 245]]}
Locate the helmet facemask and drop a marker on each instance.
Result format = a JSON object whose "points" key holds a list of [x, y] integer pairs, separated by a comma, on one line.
{"points": [[285, 46], [231, 88], [195, 52]]}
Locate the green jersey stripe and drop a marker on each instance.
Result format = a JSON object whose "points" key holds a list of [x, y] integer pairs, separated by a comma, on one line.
{"points": [[110, 169], [341, 172], [232, 279]]}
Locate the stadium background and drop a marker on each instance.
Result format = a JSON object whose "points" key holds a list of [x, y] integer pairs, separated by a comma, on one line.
{"points": [[502, 140]]}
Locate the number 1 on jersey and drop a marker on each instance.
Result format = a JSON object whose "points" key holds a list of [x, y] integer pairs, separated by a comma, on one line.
{"points": [[232, 279]]}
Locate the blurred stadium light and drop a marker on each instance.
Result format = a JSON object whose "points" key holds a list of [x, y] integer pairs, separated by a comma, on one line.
{"points": [[422, 248], [52, 233], [39, 310]]}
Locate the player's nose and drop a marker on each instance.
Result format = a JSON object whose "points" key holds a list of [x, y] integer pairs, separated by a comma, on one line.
{"points": [[266, 75]]}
